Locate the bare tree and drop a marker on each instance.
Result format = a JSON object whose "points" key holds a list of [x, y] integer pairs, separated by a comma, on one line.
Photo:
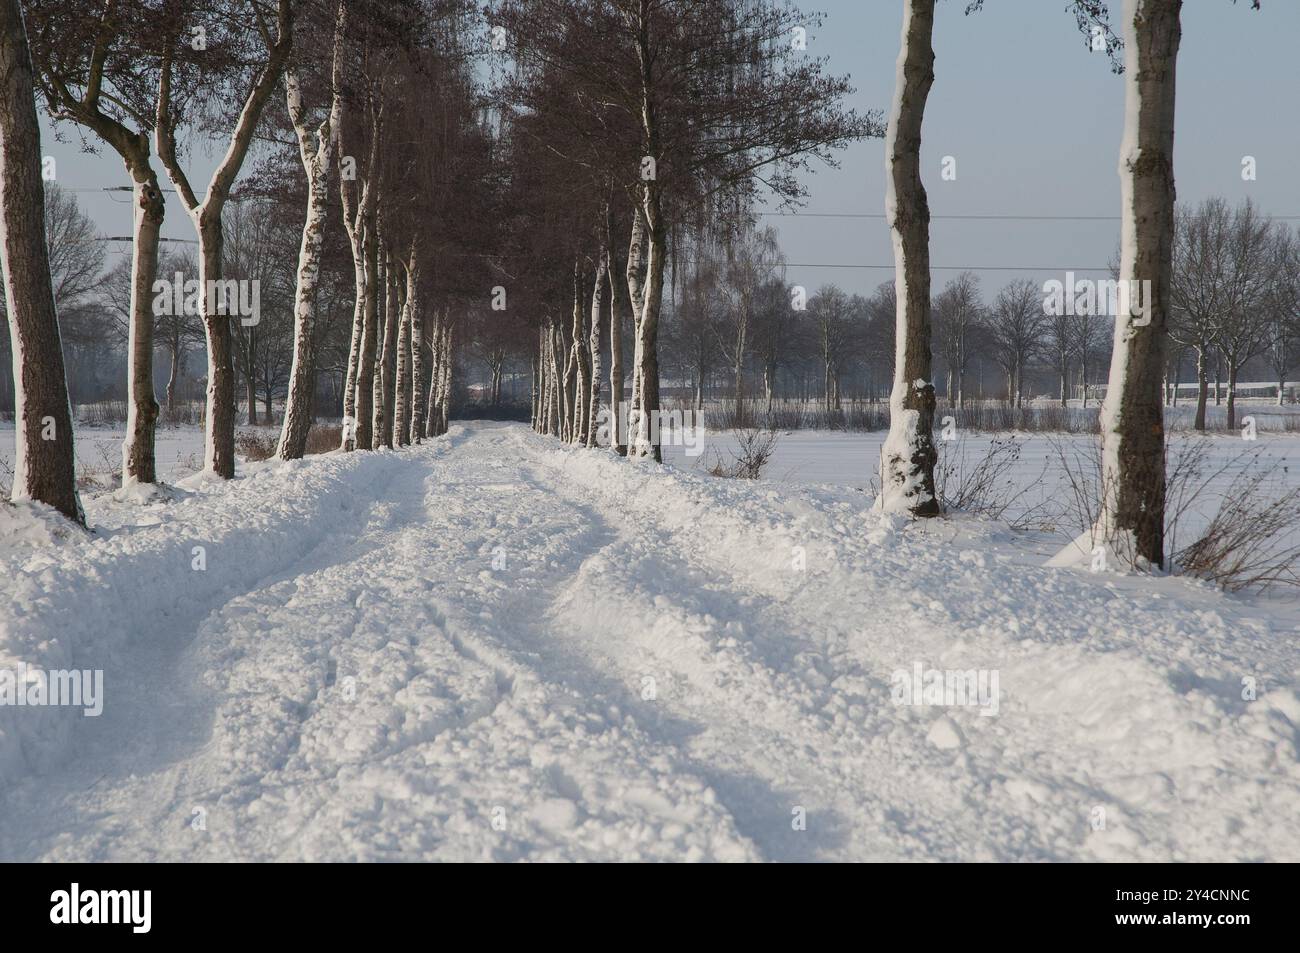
{"points": [[754, 259], [1089, 337], [829, 311], [957, 313], [1282, 308], [175, 330], [1060, 344], [1016, 326], [775, 328], [1242, 330]]}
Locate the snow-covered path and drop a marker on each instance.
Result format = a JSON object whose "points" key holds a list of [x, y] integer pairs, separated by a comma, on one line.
{"points": [[493, 647]]}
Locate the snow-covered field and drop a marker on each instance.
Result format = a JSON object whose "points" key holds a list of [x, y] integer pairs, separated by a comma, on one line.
{"points": [[495, 647]]}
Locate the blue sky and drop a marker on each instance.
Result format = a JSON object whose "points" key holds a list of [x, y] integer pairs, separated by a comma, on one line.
{"points": [[1032, 118], [1034, 121]]}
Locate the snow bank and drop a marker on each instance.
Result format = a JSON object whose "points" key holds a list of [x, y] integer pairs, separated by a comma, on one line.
{"points": [[77, 603], [1140, 718]]}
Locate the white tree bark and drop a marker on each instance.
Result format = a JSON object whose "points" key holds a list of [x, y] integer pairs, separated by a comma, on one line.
{"points": [[418, 377], [594, 343], [436, 341], [580, 365], [316, 154], [386, 370], [1132, 418], [402, 381], [908, 455]]}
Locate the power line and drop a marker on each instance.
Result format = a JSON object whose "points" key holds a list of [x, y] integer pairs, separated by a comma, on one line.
{"points": [[890, 267], [980, 218], [105, 188], [128, 238]]}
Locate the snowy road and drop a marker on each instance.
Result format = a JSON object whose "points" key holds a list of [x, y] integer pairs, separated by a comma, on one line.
{"points": [[497, 648]]}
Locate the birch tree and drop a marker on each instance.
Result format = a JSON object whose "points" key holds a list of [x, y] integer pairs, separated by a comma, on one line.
{"points": [[1132, 416], [95, 77], [688, 102], [357, 192], [316, 150], [43, 464], [277, 40], [595, 341], [908, 455]]}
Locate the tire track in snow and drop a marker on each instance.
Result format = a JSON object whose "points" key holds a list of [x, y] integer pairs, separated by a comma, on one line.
{"points": [[439, 738]]}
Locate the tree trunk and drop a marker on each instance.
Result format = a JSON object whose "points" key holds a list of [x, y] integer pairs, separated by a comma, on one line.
{"points": [[1132, 420], [1232, 394], [316, 163], [566, 355], [386, 379], [619, 438], [557, 382], [536, 382], [402, 383], [581, 363], [430, 424], [594, 342], [636, 277], [141, 404], [349, 441], [219, 445], [445, 381], [250, 381], [44, 461], [908, 455], [417, 350], [532, 390], [646, 443], [1202, 389], [365, 401], [173, 374]]}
